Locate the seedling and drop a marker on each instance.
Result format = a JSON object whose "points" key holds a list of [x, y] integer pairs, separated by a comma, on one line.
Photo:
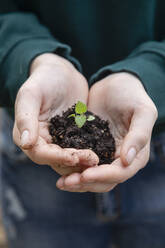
{"points": [[80, 116]]}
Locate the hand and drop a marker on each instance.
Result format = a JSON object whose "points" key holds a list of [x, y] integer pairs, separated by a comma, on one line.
{"points": [[53, 86], [121, 99]]}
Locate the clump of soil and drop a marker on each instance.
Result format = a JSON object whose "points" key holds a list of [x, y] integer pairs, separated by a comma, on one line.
{"points": [[94, 135]]}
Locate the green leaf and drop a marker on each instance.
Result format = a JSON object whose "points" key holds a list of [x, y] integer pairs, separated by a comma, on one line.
{"points": [[80, 108], [90, 118], [72, 115], [80, 120]]}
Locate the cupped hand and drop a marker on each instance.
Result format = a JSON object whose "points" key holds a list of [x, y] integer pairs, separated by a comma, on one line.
{"points": [[122, 100], [53, 85]]}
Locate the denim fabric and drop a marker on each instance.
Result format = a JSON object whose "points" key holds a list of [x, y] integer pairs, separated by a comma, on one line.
{"points": [[38, 215]]}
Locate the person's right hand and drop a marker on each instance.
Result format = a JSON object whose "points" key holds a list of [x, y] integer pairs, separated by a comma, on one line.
{"points": [[53, 85]]}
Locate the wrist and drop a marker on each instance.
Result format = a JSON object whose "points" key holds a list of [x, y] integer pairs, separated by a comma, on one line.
{"points": [[126, 77], [49, 59], [119, 80]]}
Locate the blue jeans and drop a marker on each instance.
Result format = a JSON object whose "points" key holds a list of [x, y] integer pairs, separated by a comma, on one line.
{"points": [[38, 215]]}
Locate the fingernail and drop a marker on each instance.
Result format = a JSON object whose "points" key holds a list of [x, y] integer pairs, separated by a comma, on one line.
{"points": [[25, 138], [60, 183], [131, 155]]}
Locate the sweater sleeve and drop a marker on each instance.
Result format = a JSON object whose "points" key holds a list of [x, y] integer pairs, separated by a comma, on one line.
{"points": [[147, 62], [22, 38]]}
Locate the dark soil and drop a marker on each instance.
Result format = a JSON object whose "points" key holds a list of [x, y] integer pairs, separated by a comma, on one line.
{"points": [[94, 135]]}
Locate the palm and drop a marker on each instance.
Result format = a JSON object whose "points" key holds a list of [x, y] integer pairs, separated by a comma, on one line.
{"points": [[54, 107], [112, 105], [59, 95], [118, 122]]}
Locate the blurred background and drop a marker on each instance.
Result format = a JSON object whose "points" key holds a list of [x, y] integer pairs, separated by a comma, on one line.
{"points": [[3, 243]]}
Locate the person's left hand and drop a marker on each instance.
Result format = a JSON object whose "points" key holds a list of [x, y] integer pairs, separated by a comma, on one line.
{"points": [[122, 100]]}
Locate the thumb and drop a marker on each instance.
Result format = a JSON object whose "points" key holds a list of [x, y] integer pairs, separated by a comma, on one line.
{"points": [[27, 108], [138, 135]]}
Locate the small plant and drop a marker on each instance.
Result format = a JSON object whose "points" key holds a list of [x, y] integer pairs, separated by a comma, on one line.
{"points": [[79, 116]]}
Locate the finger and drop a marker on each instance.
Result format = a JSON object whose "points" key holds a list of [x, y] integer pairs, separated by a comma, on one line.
{"points": [[44, 131], [87, 157], [27, 110], [60, 183], [73, 183], [116, 172], [66, 170], [69, 181], [63, 184], [98, 187], [51, 154], [16, 135], [94, 187], [139, 134]]}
